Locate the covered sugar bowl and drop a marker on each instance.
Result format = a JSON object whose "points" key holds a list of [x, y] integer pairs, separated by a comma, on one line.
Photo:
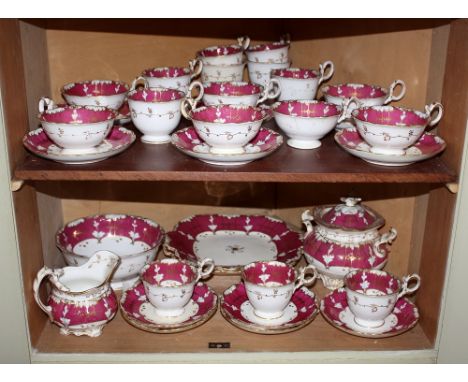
{"points": [[345, 238]]}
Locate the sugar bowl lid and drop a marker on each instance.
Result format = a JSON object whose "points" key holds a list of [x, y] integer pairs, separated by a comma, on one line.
{"points": [[349, 216]]}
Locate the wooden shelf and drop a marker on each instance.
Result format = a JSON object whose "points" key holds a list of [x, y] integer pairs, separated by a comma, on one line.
{"points": [[120, 337], [329, 163]]}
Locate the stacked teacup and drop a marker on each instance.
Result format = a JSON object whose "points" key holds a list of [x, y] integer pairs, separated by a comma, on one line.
{"points": [[223, 62], [263, 58]]}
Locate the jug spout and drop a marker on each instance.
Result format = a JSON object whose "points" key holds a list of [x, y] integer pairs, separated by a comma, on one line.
{"points": [[102, 265]]}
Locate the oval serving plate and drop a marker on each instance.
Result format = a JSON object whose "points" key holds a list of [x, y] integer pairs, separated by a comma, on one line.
{"points": [[233, 241]]}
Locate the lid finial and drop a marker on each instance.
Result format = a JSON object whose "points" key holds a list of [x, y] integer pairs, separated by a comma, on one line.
{"points": [[350, 201]]}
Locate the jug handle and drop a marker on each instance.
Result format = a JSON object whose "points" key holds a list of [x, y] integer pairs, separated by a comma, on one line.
{"points": [[307, 219], [302, 280], [386, 238], [205, 268], [391, 91], [44, 272]]}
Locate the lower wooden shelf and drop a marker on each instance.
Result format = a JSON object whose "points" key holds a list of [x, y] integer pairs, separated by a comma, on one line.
{"points": [[120, 337]]}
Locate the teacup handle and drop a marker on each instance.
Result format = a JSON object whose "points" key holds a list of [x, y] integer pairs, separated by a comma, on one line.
{"points": [[244, 42], [326, 70], [406, 280], [46, 103], [346, 113], [386, 238], [43, 273], [307, 219], [201, 90], [206, 262], [271, 91], [196, 67], [302, 280], [139, 80], [391, 90], [440, 111], [186, 106]]}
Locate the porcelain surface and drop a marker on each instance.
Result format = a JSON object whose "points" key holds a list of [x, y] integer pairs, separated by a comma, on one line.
{"points": [[236, 309], [275, 52], [81, 300], [138, 311], [238, 239], [224, 54], [223, 73], [428, 146], [134, 239], [105, 93], [334, 308], [173, 77], [260, 72], [189, 142], [118, 140]]}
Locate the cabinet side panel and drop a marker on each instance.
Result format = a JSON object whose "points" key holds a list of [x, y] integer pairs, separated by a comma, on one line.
{"points": [[441, 202], [16, 122]]}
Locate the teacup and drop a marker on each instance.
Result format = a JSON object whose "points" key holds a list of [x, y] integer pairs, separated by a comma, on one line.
{"points": [[156, 111], [224, 54], [372, 294], [169, 283], [368, 95], [275, 52], [389, 130], [77, 129], [239, 93], [222, 73], [105, 93], [302, 84], [173, 77], [271, 284], [226, 128], [260, 72], [306, 122]]}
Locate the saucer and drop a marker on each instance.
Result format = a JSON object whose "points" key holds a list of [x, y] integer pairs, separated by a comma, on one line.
{"points": [[124, 114], [188, 141], [118, 140], [426, 147], [334, 308], [236, 308], [137, 310]]}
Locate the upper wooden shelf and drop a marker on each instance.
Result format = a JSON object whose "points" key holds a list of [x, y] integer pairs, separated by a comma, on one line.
{"points": [[329, 163]]}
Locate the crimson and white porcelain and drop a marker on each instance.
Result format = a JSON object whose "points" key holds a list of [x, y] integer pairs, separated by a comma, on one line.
{"points": [[368, 95], [134, 239], [81, 300], [389, 130], [169, 283], [428, 146], [306, 122], [173, 77], [118, 140], [139, 312], [273, 52], [239, 93], [76, 129], [260, 72], [334, 308], [237, 310], [155, 111], [302, 84], [372, 294], [234, 241], [270, 285], [227, 129], [223, 73], [189, 142], [105, 93], [224, 54], [345, 238]]}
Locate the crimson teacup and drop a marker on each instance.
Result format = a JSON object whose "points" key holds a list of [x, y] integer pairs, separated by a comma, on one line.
{"points": [[169, 283], [271, 284], [372, 294]]}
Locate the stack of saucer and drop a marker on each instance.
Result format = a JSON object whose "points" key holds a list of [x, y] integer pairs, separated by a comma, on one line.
{"points": [[223, 62], [263, 58], [225, 134], [392, 136]]}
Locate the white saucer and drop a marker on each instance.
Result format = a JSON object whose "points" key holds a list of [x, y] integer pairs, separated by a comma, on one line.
{"points": [[188, 141], [348, 318], [151, 314], [289, 314]]}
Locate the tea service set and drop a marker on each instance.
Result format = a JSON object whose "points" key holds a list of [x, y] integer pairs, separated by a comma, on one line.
{"points": [[227, 113], [342, 246]]}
